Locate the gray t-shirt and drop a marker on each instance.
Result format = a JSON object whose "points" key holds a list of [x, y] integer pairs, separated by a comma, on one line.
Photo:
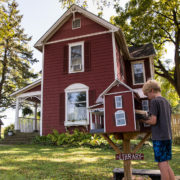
{"points": [[161, 108]]}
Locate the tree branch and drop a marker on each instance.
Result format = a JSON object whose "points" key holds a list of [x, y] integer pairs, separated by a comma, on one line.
{"points": [[165, 73], [162, 15], [169, 35]]}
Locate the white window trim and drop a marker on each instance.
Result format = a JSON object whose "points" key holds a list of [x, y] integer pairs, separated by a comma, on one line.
{"points": [[78, 87], [132, 69], [116, 103], [124, 117], [76, 27], [76, 44]]}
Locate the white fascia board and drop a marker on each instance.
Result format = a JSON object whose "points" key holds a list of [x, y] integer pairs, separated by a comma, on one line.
{"points": [[95, 105], [115, 82], [36, 83], [65, 17], [30, 94]]}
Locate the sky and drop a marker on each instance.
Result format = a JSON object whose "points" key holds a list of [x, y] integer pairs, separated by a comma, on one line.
{"points": [[38, 17]]}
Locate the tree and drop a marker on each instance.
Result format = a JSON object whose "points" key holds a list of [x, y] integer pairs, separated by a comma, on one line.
{"points": [[15, 56], [169, 92], [156, 21]]}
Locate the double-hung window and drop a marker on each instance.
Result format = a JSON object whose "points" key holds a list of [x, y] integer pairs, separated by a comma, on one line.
{"points": [[76, 57], [120, 118], [138, 72], [118, 101], [76, 105]]}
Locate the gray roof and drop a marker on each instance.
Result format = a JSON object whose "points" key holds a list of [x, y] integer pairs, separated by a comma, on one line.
{"points": [[142, 51]]}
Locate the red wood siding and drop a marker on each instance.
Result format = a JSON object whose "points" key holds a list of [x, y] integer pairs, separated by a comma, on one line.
{"points": [[87, 27], [55, 80], [129, 72], [37, 88], [110, 113]]}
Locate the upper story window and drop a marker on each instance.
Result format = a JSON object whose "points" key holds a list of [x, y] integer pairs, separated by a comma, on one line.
{"points": [[76, 57], [120, 118], [118, 101], [76, 23], [138, 72]]}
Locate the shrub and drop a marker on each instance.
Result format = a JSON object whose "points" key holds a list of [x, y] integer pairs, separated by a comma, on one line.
{"points": [[9, 128], [42, 140]]}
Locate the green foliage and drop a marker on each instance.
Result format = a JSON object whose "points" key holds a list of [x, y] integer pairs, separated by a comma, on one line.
{"points": [[27, 111], [77, 138], [43, 140], [15, 55], [155, 21], [169, 92], [9, 128]]}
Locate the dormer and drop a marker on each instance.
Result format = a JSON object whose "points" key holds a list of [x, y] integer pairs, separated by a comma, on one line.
{"points": [[140, 65]]}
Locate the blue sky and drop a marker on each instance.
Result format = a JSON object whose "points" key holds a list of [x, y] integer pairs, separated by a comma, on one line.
{"points": [[38, 17]]}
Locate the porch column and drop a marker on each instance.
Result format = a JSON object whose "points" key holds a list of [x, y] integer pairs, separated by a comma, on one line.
{"points": [[17, 125], [35, 117]]}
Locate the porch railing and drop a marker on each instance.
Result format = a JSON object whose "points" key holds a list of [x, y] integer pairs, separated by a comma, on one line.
{"points": [[28, 125]]}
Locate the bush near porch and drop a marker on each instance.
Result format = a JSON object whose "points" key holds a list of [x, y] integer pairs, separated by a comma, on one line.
{"points": [[35, 162]]}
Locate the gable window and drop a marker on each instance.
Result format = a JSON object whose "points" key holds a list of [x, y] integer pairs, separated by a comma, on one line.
{"points": [[118, 101], [76, 57], [138, 72], [76, 104], [76, 23], [120, 118]]}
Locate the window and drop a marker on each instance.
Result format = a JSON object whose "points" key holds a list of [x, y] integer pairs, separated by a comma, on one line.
{"points": [[118, 101], [120, 118], [76, 57], [76, 105], [145, 105], [138, 72], [76, 23]]}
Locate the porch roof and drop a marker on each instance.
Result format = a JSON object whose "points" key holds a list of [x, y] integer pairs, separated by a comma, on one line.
{"points": [[27, 88]]}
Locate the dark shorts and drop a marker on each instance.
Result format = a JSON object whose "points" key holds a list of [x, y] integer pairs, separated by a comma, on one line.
{"points": [[162, 150]]}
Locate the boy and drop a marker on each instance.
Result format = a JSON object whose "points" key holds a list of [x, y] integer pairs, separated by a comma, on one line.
{"points": [[160, 121]]}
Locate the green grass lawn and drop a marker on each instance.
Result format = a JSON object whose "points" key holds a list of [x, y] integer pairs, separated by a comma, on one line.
{"points": [[34, 162]]}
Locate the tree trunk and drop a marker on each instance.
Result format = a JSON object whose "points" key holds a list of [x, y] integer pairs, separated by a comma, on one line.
{"points": [[4, 70], [177, 63]]}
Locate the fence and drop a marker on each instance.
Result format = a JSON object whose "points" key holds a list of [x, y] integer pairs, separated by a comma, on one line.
{"points": [[175, 120]]}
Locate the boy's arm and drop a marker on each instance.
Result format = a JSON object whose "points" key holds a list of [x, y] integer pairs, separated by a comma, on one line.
{"points": [[152, 120]]}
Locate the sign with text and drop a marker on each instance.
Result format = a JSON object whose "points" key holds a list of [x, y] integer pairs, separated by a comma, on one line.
{"points": [[129, 156]]}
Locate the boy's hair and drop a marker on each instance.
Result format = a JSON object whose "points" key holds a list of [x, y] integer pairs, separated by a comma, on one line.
{"points": [[151, 85]]}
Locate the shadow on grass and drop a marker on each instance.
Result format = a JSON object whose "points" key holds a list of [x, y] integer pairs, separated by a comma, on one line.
{"points": [[33, 162]]}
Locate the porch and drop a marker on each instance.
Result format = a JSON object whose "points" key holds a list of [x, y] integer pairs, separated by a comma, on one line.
{"points": [[30, 96], [97, 120]]}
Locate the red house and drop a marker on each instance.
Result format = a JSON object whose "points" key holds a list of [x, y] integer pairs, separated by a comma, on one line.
{"points": [[91, 79]]}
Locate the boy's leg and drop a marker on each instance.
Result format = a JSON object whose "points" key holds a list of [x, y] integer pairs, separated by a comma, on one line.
{"points": [[166, 171]]}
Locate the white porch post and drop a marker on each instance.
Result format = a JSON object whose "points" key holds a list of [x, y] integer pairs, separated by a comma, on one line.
{"points": [[17, 125], [35, 117]]}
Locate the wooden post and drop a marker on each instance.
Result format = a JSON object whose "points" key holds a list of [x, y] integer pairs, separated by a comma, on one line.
{"points": [[127, 163]]}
